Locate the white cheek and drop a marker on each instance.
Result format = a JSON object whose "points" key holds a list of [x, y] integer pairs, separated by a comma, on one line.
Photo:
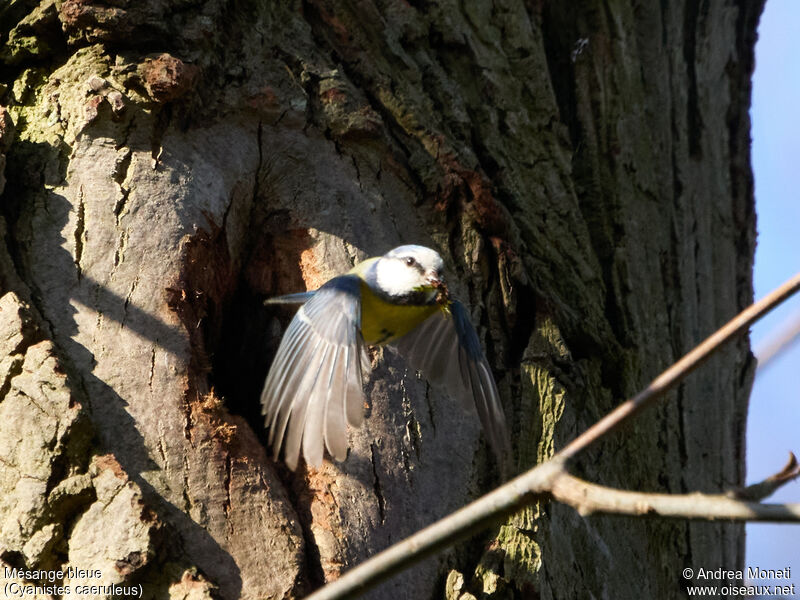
{"points": [[396, 279]]}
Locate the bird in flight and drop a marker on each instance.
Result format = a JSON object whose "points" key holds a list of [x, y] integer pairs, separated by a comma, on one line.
{"points": [[314, 387]]}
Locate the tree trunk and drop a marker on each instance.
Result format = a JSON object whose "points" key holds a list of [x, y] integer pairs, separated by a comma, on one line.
{"points": [[584, 169]]}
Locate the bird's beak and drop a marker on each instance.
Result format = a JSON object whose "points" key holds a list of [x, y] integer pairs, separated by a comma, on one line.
{"points": [[434, 280]]}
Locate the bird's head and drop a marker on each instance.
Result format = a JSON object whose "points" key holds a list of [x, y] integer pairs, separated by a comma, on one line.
{"points": [[411, 274]]}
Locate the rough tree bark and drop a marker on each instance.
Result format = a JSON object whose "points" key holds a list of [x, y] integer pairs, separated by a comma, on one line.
{"points": [[584, 168]]}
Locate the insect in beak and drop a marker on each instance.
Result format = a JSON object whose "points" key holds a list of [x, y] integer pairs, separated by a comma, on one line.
{"points": [[442, 293]]}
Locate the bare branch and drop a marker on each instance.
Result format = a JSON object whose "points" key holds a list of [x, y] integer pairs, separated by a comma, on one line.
{"points": [[588, 498], [542, 481], [474, 517], [674, 374], [546, 481], [762, 489], [782, 339]]}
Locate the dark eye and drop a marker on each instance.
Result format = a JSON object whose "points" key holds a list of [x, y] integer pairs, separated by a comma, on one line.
{"points": [[410, 261]]}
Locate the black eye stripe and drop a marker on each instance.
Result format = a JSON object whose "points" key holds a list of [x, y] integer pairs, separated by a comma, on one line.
{"points": [[410, 261]]}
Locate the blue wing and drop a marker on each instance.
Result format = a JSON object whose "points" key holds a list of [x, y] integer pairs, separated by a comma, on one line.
{"points": [[298, 298], [314, 387], [446, 349]]}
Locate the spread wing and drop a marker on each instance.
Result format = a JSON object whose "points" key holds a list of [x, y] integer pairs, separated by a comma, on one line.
{"points": [[314, 387], [446, 349]]}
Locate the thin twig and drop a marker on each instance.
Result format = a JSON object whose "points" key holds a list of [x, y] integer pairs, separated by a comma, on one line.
{"points": [[539, 482], [782, 339], [678, 371], [763, 489], [474, 517], [550, 480], [588, 498]]}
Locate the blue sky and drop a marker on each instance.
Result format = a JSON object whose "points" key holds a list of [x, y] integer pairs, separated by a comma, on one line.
{"points": [[774, 423]]}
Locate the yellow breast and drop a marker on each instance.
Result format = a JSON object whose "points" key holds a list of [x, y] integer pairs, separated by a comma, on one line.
{"points": [[383, 322]]}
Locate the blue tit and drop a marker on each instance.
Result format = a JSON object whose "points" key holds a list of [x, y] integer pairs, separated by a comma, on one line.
{"points": [[314, 387]]}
